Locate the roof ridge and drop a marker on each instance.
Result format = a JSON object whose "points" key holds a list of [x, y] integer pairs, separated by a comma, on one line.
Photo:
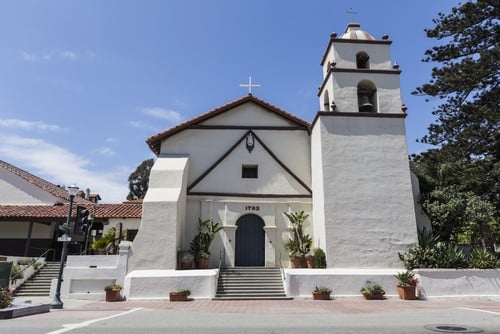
{"points": [[154, 142], [45, 185]]}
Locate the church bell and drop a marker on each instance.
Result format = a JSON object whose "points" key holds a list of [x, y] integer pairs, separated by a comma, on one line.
{"points": [[365, 105]]}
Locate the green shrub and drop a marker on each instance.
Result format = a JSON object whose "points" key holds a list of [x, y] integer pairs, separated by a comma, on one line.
{"points": [[6, 297], [319, 258], [16, 273], [483, 259]]}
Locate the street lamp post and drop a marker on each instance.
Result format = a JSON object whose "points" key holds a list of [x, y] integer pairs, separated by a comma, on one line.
{"points": [[57, 303]]}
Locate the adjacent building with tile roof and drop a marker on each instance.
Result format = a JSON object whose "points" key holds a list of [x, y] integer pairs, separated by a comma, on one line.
{"points": [[32, 208]]}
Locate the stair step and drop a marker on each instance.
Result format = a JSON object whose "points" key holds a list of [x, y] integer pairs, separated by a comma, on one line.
{"points": [[250, 283]]}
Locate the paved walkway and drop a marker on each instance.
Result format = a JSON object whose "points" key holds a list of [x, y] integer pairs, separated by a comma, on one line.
{"points": [[354, 305]]}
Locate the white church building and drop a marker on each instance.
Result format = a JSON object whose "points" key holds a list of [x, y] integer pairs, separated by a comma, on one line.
{"points": [[247, 162]]}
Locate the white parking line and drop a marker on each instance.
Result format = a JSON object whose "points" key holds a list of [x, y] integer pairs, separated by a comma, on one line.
{"points": [[69, 327], [477, 310]]}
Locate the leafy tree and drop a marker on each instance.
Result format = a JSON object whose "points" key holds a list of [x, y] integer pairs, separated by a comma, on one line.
{"points": [[138, 181], [460, 177]]}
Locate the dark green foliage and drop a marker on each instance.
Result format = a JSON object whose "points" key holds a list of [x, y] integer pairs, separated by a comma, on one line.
{"points": [[16, 272], [200, 245], [301, 243], [459, 178], [319, 258], [483, 259], [6, 297], [138, 181], [432, 253]]}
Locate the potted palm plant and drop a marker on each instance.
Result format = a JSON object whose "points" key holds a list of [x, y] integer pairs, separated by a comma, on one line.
{"points": [[207, 230], [300, 244], [407, 285]]}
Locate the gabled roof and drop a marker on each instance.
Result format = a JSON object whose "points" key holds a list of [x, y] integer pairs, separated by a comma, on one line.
{"points": [[50, 188], [154, 142], [60, 212]]}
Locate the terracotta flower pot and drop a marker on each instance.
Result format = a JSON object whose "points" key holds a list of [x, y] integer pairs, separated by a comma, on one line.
{"points": [[113, 295], [178, 296], [298, 262], [201, 263], [374, 296], [407, 292], [186, 265], [310, 261], [321, 296]]}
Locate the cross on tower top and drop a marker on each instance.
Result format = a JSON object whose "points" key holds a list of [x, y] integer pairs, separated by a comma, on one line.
{"points": [[249, 85], [351, 13]]}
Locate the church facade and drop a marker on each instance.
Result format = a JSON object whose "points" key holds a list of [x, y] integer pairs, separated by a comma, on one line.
{"points": [[248, 162]]}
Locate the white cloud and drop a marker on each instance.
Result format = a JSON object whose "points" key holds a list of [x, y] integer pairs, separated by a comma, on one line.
{"points": [[111, 140], [167, 114], [28, 125], [61, 166], [105, 151], [55, 54]]}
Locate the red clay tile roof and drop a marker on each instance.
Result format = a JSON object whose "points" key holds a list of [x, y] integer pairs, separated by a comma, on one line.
{"points": [[51, 188], [154, 142], [60, 212]]}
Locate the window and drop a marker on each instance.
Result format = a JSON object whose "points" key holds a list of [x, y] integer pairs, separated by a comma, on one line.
{"points": [[249, 171]]}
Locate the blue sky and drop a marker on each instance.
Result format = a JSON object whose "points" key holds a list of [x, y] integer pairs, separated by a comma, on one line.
{"points": [[83, 84]]}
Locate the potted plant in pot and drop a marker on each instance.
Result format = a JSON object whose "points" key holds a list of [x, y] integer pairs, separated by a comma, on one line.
{"points": [[300, 245], [113, 292], [407, 285], [321, 293], [185, 259], [181, 295], [207, 230], [372, 290]]}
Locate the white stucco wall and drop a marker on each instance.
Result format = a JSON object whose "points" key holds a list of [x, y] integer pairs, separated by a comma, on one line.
{"points": [[368, 204], [163, 215], [345, 91], [227, 211], [15, 190], [204, 147]]}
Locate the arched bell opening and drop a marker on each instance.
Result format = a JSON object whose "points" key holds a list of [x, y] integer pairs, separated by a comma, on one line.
{"points": [[326, 102], [362, 60], [367, 96]]}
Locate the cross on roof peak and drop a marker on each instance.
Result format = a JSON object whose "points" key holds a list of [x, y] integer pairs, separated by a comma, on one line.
{"points": [[249, 85], [351, 13]]}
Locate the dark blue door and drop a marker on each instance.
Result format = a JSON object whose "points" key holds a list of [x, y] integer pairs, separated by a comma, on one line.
{"points": [[250, 241]]}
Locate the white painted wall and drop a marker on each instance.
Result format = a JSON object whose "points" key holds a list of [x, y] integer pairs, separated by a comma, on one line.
{"points": [[368, 204], [460, 282], [204, 147], [345, 91], [227, 211], [157, 284], [16, 190], [85, 276], [163, 215]]}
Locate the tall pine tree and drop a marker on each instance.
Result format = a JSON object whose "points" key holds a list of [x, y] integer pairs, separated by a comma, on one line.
{"points": [[138, 181], [466, 130]]}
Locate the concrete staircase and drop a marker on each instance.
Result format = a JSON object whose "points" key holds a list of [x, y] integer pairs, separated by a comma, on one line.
{"points": [[39, 283], [250, 283]]}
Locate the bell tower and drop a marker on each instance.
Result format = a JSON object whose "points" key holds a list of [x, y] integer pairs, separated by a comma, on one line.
{"points": [[362, 197]]}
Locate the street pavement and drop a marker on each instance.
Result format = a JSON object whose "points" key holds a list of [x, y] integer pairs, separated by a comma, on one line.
{"points": [[341, 315]]}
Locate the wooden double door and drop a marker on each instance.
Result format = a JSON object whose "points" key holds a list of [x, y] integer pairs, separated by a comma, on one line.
{"points": [[250, 241]]}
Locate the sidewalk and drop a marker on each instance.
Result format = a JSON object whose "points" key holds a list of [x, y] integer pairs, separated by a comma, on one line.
{"points": [[353, 305]]}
